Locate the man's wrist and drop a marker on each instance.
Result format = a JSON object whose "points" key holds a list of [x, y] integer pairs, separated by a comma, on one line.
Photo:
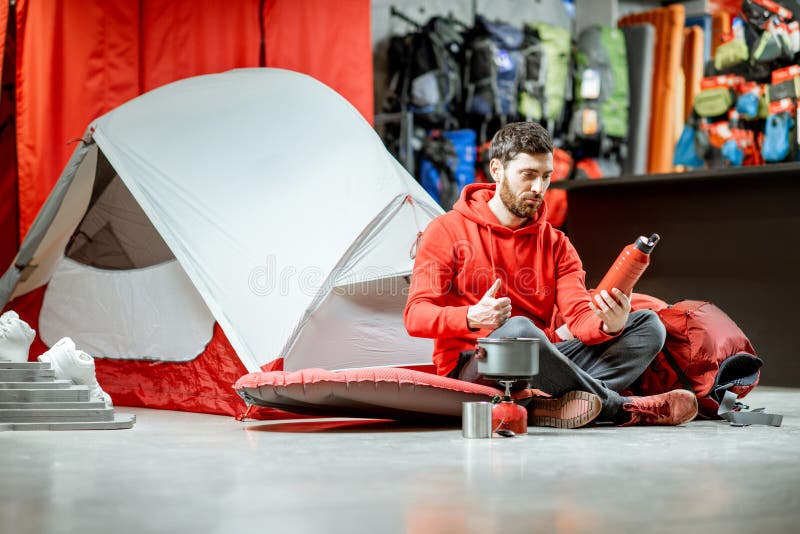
{"points": [[605, 328]]}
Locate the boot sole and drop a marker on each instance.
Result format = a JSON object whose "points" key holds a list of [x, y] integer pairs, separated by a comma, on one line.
{"points": [[572, 410]]}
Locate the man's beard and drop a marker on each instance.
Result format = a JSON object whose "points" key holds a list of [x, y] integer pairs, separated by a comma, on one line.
{"points": [[518, 207]]}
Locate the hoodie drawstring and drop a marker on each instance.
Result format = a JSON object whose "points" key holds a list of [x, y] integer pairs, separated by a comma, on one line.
{"points": [[491, 252], [538, 262]]}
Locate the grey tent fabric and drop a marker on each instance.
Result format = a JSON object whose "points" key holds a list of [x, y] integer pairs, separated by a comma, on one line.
{"points": [[7, 284], [42, 223], [640, 40]]}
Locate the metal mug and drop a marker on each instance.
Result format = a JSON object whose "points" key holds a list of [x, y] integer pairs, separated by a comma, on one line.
{"points": [[476, 419]]}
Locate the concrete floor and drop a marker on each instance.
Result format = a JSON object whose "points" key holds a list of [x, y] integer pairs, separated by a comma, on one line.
{"points": [[179, 472]]}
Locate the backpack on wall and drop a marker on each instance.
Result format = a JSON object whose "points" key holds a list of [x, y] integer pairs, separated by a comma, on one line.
{"points": [[601, 97], [437, 164], [424, 69], [492, 69], [545, 77]]}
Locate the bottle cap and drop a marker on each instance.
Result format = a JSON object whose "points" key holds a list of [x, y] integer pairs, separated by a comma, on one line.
{"points": [[646, 244]]}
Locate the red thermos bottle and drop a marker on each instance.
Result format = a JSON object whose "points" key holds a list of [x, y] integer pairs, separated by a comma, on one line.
{"points": [[629, 266]]}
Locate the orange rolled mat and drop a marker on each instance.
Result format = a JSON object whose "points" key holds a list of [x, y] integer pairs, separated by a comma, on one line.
{"points": [[669, 22], [693, 43]]}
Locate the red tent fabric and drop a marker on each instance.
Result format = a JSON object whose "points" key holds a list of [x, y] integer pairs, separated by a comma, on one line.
{"points": [[333, 45], [8, 167], [3, 24], [81, 58], [188, 38], [77, 60]]}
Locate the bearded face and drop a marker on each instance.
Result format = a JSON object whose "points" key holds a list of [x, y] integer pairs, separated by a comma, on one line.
{"points": [[523, 181], [523, 207]]}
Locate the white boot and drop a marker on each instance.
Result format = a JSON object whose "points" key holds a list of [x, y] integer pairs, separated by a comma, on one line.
{"points": [[15, 338], [76, 366]]}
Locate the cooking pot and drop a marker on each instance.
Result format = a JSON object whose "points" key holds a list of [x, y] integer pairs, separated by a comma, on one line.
{"points": [[507, 357]]}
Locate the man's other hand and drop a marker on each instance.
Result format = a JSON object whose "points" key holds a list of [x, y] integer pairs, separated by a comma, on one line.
{"points": [[613, 311], [490, 312]]}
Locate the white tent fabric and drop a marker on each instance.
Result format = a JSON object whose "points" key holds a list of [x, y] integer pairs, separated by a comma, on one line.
{"points": [[271, 191], [152, 313]]}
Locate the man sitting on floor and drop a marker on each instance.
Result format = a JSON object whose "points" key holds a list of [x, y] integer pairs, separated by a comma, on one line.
{"points": [[494, 267]]}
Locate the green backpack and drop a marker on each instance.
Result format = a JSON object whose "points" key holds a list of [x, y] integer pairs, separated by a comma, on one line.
{"points": [[601, 85], [545, 78]]}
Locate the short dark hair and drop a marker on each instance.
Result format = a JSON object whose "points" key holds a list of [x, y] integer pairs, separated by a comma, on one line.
{"points": [[518, 137]]}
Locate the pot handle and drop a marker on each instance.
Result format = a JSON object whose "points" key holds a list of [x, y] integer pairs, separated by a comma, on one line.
{"points": [[480, 353]]}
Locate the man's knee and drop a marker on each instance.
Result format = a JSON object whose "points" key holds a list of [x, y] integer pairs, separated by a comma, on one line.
{"points": [[649, 328], [518, 326]]}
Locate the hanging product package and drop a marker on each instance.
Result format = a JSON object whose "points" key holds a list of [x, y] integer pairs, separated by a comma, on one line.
{"points": [[730, 54], [751, 103], [717, 95], [688, 152], [777, 137]]}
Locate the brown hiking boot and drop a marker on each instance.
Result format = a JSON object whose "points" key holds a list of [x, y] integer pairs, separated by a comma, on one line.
{"points": [[675, 407], [572, 410]]}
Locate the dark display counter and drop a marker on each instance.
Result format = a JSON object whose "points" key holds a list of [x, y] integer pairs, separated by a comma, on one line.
{"points": [[729, 236]]}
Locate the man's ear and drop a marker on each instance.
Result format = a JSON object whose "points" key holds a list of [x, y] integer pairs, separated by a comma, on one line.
{"points": [[496, 169]]}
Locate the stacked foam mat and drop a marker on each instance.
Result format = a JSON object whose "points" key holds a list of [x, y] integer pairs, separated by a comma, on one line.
{"points": [[639, 43], [693, 47], [32, 399], [669, 22]]}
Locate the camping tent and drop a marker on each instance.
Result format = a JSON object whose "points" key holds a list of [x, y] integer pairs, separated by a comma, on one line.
{"points": [[256, 199]]}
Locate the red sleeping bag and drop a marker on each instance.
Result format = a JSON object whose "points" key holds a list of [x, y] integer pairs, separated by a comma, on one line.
{"points": [[705, 352]]}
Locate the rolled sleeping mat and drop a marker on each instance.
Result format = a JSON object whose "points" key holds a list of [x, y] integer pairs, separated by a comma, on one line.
{"points": [[640, 41]]}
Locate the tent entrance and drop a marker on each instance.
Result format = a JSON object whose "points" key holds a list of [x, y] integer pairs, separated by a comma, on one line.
{"points": [[366, 320], [119, 292], [115, 233]]}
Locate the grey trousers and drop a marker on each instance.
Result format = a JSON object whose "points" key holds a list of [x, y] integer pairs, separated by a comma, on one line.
{"points": [[604, 369]]}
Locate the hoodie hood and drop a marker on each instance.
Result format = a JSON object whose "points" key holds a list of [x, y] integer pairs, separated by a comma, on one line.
{"points": [[474, 205]]}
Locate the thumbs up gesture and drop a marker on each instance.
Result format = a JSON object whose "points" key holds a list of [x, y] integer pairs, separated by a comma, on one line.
{"points": [[489, 312]]}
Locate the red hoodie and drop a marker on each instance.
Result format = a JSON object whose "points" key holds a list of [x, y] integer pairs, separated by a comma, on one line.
{"points": [[465, 250]]}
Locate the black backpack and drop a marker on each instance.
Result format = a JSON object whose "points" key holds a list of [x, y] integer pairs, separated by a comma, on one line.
{"points": [[424, 70], [492, 69]]}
